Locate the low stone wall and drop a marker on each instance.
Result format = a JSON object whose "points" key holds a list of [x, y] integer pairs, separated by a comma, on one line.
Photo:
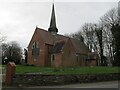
{"points": [[44, 80]]}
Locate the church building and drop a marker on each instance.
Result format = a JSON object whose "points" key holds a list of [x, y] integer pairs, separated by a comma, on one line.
{"points": [[49, 49]]}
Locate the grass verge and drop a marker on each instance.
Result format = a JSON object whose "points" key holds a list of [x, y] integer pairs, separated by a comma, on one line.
{"points": [[76, 70]]}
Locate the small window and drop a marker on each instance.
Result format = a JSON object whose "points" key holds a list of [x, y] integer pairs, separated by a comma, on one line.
{"points": [[53, 57], [33, 46]]}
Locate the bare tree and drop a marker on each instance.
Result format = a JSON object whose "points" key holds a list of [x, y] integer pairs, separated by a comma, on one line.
{"points": [[103, 38], [111, 18], [11, 52], [111, 23], [108, 49], [92, 34], [99, 34], [26, 55], [77, 35], [88, 32], [2, 38]]}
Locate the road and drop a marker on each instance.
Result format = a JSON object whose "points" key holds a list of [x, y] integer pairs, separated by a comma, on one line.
{"points": [[111, 84]]}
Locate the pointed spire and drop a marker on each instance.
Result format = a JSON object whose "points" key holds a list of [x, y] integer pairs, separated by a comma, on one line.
{"points": [[53, 28]]}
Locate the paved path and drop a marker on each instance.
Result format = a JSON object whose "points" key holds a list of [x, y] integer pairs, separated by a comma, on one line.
{"points": [[110, 84]]}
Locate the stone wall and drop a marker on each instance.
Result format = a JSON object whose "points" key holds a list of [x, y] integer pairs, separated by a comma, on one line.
{"points": [[44, 80]]}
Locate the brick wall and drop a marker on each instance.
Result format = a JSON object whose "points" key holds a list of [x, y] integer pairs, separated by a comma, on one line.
{"points": [[36, 60]]}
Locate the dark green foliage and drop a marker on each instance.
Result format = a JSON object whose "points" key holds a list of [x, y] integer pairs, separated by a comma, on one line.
{"points": [[116, 44]]}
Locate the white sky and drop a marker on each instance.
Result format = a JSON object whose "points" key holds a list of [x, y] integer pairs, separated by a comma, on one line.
{"points": [[18, 18]]}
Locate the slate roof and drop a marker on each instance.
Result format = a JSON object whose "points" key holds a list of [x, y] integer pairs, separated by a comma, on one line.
{"points": [[79, 47], [57, 48], [59, 41]]}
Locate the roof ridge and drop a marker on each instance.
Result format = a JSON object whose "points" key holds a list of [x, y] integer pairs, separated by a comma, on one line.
{"points": [[51, 34], [42, 29]]}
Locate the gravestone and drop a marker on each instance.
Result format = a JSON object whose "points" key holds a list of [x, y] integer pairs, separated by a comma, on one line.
{"points": [[10, 71]]}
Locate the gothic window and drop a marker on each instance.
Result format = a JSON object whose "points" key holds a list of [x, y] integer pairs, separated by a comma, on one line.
{"points": [[35, 48]]}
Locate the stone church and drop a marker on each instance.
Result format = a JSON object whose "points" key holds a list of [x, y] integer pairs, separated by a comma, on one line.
{"points": [[49, 49]]}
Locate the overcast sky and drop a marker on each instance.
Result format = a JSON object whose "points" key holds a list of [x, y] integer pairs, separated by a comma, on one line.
{"points": [[19, 18]]}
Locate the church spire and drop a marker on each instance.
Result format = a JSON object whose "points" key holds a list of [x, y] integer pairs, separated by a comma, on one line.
{"points": [[53, 29]]}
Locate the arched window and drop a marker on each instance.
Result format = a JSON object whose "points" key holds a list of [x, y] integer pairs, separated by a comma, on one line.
{"points": [[52, 57]]}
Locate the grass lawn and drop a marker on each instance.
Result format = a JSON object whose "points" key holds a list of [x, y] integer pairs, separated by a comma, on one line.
{"points": [[76, 70]]}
